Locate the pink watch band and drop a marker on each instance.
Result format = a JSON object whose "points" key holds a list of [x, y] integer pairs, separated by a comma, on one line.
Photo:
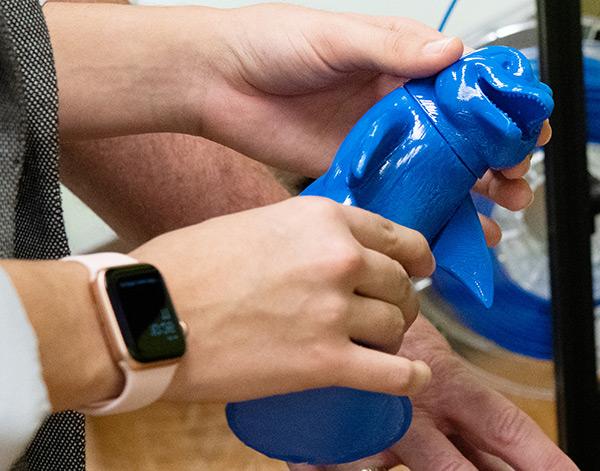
{"points": [[142, 386]]}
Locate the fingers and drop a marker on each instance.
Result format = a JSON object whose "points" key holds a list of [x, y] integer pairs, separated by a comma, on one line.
{"points": [[425, 447], [405, 245], [482, 460], [545, 134], [386, 279], [396, 46], [381, 461], [387, 304], [496, 426], [371, 370], [491, 231], [519, 170], [375, 324], [513, 194]]}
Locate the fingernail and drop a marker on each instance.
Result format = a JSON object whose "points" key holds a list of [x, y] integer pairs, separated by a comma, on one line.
{"points": [[422, 375], [437, 47]]}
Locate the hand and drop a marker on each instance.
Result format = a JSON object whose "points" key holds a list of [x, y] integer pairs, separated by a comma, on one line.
{"points": [[308, 75], [275, 300], [459, 423], [508, 188], [280, 83], [287, 83]]}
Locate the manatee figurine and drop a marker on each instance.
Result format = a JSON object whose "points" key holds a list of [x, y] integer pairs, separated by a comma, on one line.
{"points": [[413, 158]]}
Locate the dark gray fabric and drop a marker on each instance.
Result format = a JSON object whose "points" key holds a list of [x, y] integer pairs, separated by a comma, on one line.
{"points": [[12, 137], [31, 219]]}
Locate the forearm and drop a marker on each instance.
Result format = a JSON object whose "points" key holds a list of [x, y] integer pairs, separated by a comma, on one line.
{"points": [[76, 363], [146, 185], [124, 69]]}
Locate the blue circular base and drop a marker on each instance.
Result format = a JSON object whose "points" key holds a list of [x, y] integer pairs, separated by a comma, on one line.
{"points": [[321, 426]]}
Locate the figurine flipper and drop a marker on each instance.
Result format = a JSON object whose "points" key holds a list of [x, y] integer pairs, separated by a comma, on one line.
{"points": [[385, 135], [412, 158], [460, 249]]}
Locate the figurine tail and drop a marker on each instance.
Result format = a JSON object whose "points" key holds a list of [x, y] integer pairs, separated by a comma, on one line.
{"points": [[460, 250]]}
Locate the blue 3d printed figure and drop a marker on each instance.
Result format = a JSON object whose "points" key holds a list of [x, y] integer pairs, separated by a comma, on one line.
{"points": [[413, 158]]}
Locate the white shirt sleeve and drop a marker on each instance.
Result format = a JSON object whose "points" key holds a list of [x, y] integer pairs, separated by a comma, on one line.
{"points": [[24, 400]]}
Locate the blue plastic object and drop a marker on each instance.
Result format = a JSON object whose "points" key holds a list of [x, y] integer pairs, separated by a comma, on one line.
{"points": [[412, 158], [447, 14], [321, 426], [518, 320]]}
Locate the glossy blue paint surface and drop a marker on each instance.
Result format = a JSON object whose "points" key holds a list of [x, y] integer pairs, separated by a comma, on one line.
{"points": [[520, 320], [412, 158]]}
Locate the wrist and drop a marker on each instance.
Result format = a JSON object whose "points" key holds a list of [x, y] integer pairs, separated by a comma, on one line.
{"points": [[76, 362], [126, 69], [204, 74], [143, 332]]}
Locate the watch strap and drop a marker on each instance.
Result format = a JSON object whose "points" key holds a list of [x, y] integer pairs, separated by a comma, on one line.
{"points": [[99, 261], [142, 386], [141, 389]]}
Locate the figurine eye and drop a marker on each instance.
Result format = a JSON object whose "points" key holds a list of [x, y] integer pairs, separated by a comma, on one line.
{"points": [[506, 65]]}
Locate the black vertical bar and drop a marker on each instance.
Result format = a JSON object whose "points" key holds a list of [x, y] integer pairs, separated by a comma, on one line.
{"points": [[569, 229]]}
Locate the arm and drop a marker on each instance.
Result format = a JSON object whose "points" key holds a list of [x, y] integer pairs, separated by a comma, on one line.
{"points": [[143, 186], [202, 71], [459, 423], [117, 72], [236, 353], [270, 117], [58, 302]]}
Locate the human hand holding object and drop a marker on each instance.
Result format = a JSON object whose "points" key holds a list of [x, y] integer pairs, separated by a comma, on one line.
{"points": [[413, 158], [302, 77], [275, 300], [459, 423], [279, 83]]}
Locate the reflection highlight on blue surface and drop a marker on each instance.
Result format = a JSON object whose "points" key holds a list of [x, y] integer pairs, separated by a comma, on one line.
{"points": [[413, 158]]}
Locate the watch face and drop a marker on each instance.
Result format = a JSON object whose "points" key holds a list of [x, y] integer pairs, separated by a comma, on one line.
{"points": [[145, 313]]}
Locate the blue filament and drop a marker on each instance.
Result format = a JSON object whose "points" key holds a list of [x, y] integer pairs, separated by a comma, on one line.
{"points": [[447, 15]]}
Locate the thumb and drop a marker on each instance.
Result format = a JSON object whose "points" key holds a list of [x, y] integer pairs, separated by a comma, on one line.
{"points": [[371, 370], [398, 46]]}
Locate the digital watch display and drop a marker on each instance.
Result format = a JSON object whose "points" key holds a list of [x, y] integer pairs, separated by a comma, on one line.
{"points": [[145, 337], [145, 313]]}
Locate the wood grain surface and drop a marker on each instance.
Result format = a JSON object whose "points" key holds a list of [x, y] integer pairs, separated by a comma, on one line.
{"points": [[170, 437], [181, 437]]}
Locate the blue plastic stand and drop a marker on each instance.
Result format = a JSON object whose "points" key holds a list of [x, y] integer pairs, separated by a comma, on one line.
{"points": [[413, 158]]}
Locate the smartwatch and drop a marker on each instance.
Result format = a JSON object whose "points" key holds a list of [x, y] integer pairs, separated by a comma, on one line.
{"points": [[144, 335]]}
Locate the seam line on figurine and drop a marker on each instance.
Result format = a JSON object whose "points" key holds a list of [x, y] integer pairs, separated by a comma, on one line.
{"points": [[439, 133]]}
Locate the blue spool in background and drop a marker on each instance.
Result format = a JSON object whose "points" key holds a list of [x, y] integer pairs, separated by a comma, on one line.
{"points": [[520, 319]]}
